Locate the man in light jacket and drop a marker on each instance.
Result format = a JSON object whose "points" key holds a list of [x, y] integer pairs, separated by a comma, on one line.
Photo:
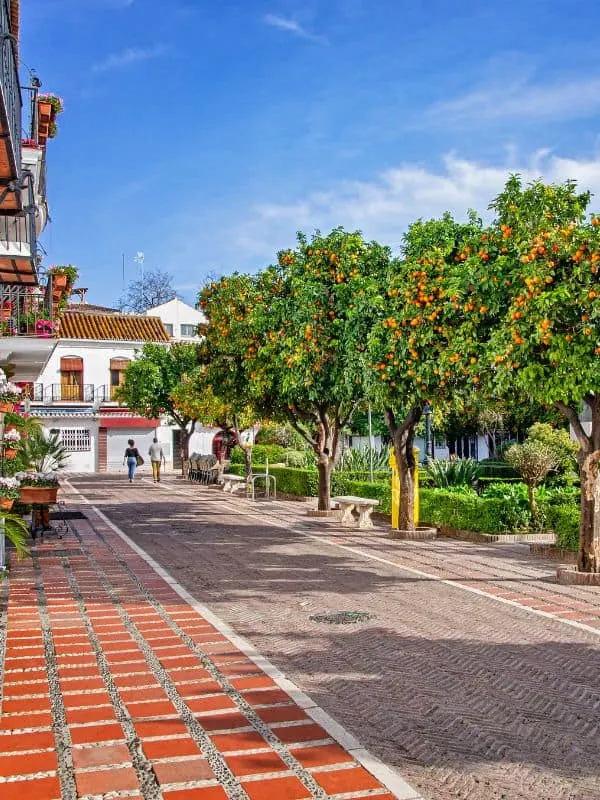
{"points": [[157, 457]]}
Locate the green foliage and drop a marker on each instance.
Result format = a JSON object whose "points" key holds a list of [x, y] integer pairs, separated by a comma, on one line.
{"points": [[281, 434], [301, 459], [260, 452], [564, 520], [557, 441], [44, 454], [17, 533], [533, 460], [360, 460], [488, 468], [151, 381], [470, 512], [455, 472], [299, 482]]}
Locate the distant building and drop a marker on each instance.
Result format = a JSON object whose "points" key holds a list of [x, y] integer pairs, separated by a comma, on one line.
{"points": [[74, 394], [180, 319]]}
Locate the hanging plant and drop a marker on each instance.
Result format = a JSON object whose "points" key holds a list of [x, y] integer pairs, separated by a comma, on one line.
{"points": [[54, 100]]}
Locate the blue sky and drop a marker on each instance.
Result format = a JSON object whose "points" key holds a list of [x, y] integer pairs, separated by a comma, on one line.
{"points": [[206, 132]]}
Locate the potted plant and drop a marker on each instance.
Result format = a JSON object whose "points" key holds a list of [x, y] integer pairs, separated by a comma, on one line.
{"points": [[10, 394], [63, 276], [45, 328], [37, 488], [9, 492], [11, 439], [54, 101]]}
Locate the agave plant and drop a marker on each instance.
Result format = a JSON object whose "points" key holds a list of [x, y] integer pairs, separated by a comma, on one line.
{"points": [[457, 472], [360, 460], [44, 454]]}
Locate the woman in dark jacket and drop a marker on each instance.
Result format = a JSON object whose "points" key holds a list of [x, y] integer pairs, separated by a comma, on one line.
{"points": [[131, 458]]}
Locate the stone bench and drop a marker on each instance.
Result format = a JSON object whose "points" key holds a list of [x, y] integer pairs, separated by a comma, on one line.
{"points": [[231, 483], [364, 507]]}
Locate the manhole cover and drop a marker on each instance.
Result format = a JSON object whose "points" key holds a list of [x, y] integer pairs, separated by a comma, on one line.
{"points": [[342, 617]]}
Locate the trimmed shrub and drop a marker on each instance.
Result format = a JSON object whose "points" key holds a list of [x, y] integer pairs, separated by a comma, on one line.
{"points": [[499, 470], [274, 452], [299, 482], [564, 520], [467, 512]]}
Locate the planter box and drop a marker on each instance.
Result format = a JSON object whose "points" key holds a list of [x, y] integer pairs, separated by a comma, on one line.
{"points": [[45, 111], [59, 283], [38, 495]]}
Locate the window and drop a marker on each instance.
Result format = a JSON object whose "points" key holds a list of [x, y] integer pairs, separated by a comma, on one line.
{"points": [[76, 440], [168, 328], [71, 379], [188, 330], [117, 374]]}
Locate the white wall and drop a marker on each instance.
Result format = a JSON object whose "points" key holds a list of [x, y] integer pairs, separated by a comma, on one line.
{"points": [[96, 360], [177, 313], [85, 460]]}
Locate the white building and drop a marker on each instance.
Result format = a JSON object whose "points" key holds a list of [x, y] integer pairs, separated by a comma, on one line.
{"points": [[180, 319], [74, 393]]}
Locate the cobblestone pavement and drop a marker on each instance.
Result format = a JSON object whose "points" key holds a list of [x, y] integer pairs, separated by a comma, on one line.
{"points": [[113, 686], [470, 679], [474, 679]]}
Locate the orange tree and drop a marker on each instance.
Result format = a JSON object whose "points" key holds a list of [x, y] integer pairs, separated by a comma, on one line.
{"points": [[291, 342], [313, 358], [419, 345], [223, 383], [150, 384], [537, 275]]}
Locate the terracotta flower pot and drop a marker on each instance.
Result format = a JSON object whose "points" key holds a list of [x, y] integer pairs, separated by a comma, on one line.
{"points": [[45, 111], [10, 453], [59, 282], [6, 407], [6, 503], [38, 495]]}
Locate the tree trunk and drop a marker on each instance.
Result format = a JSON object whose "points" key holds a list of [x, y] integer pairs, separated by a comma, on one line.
{"points": [[532, 503], [185, 447], [588, 458], [324, 469], [589, 532], [247, 459], [403, 437]]}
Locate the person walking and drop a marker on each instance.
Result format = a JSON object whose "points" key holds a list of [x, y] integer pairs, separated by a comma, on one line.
{"points": [[157, 457], [131, 458]]}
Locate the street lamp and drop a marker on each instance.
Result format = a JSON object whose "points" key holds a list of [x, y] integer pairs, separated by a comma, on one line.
{"points": [[427, 411]]}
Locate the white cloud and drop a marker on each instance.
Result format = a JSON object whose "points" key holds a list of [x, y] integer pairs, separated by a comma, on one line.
{"points": [[384, 207], [291, 26], [131, 55], [517, 99]]}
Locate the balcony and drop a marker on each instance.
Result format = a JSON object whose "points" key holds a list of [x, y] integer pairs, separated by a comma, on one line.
{"points": [[66, 393], [24, 311], [10, 113]]}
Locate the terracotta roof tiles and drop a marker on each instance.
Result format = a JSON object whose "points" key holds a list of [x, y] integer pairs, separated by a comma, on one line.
{"points": [[112, 327]]}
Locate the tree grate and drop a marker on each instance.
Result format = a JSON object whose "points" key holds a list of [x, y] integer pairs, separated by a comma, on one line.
{"points": [[342, 617]]}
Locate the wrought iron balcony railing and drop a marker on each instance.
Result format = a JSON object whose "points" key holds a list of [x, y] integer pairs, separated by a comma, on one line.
{"points": [[70, 393], [25, 310], [9, 86]]}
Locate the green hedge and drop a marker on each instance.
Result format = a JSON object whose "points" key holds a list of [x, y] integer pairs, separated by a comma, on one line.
{"points": [[300, 482], [465, 512], [461, 510], [274, 452], [496, 470], [564, 520]]}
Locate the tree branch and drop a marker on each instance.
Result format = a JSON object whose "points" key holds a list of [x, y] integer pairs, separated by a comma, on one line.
{"points": [[294, 422], [573, 417]]}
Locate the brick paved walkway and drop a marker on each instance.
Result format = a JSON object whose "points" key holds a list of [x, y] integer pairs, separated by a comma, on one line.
{"points": [[112, 686], [476, 679]]}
